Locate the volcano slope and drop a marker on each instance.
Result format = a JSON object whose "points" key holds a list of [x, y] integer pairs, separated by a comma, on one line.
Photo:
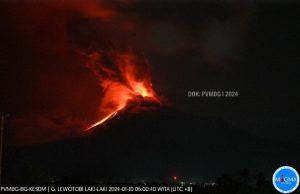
{"points": [[152, 145]]}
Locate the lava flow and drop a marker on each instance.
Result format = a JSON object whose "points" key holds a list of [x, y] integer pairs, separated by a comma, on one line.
{"points": [[122, 80]]}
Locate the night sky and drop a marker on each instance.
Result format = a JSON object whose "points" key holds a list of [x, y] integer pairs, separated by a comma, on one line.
{"points": [[250, 47]]}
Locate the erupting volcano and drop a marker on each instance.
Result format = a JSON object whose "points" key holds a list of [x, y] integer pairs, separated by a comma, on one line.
{"points": [[122, 79], [84, 67]]}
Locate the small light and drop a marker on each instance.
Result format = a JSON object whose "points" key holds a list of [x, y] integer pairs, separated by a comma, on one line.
{"points": [[174, 178]]}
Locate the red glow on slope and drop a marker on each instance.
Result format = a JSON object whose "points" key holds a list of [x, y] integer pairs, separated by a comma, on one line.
{"points": [[103, 120], [123, 80]]}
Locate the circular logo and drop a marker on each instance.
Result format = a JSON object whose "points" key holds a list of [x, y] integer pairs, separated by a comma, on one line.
{"points": [[286, 179]]}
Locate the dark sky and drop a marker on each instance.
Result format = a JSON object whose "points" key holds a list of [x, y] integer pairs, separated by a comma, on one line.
{"points": [[225, 45], [250, 47]]}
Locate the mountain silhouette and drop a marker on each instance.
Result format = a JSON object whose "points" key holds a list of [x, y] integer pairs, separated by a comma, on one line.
{"points": [[154, 145]]}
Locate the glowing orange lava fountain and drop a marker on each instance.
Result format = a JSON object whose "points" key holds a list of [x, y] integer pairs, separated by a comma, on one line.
{"points": [[122, 81]]}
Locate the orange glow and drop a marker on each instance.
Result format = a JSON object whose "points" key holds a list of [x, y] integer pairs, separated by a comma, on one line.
{"points": [[103, 120], [122, 81]]}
